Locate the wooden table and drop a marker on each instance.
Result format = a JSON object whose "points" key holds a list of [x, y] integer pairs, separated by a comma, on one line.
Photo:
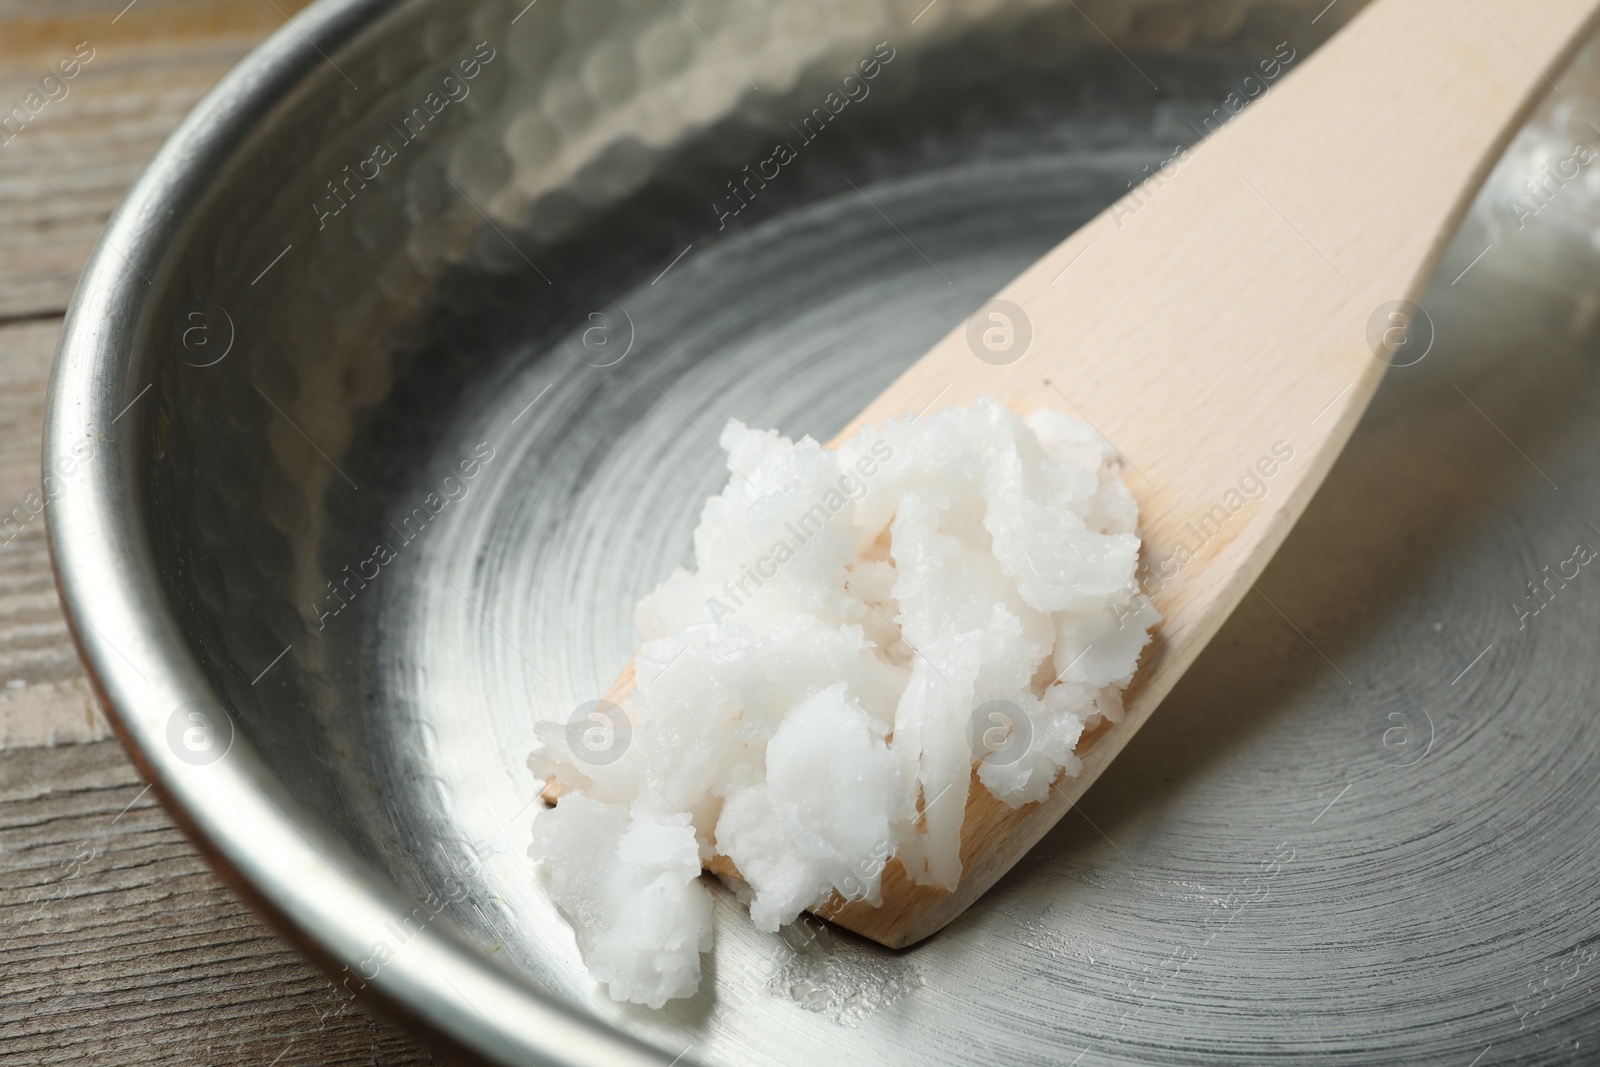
{"points": [[118, 945]]}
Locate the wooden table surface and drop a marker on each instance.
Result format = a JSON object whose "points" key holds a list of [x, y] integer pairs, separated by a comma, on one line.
{"points": [[118, 945]]}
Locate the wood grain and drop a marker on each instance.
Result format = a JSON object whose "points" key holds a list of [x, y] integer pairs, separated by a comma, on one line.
{"points": [[44, 698], [121, 946], [63, 173]]}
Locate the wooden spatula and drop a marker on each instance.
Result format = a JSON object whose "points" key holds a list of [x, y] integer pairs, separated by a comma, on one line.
{"points": [[1225, 329]]}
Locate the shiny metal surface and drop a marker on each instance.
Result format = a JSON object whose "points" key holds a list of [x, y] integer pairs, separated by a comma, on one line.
{"points": [[1360, 831]]}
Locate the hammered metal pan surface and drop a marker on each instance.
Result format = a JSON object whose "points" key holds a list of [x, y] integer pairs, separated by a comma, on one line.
{"points": [[462, 418]]}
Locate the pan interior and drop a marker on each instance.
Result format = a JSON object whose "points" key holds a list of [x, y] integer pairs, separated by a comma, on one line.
{"points": [[1359, 830]]}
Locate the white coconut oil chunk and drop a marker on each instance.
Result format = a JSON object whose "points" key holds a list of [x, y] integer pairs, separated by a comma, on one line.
{"points": [[863, 628]]}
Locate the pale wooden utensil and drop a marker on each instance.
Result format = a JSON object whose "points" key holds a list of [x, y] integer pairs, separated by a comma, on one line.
{"points": [[1225, 322]]}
